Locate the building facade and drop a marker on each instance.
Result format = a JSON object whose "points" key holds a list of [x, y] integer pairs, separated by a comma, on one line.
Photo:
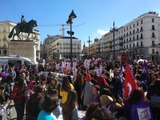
{"points": [[45, 47], [139, 38], [5, 29], [58, 47]]}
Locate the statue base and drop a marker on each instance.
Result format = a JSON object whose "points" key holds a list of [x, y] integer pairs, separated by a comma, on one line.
{"points": [[25, 48]]}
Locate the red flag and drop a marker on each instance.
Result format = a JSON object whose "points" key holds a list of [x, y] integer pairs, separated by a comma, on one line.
{"points": [[129, 83]]}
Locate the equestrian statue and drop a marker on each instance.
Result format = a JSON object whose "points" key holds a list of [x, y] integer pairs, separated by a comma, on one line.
{"points": [[26, 27]]}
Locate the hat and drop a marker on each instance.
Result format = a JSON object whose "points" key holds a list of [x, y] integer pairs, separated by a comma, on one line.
{"points": [[105, 99]]}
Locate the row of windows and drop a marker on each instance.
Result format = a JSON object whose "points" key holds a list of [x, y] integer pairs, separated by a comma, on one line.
{"points": [[137, 37], [137, 31], [134, 38], [133, 45], [67, 44], [136, 24], [69, 48]]}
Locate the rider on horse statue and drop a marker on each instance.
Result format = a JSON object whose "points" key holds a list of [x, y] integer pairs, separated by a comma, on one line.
{"points": [[23, 26], [23, 22]]}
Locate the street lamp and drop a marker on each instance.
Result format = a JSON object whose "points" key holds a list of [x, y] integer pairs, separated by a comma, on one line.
{"points": [[113, 30], [89, 42], [70, 32]]}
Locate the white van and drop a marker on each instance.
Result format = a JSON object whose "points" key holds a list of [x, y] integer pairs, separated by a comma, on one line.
{"points": [[15, 60]]}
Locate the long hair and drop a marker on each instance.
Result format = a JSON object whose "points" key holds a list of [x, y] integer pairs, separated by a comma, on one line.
{"points": [[136, 96], [66, 85], [69, 105], [79, 80], [49, 104], [55, 85], [90, 109]]}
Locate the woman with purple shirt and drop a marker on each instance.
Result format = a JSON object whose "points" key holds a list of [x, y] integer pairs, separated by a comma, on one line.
{"points": [[137, 107]]}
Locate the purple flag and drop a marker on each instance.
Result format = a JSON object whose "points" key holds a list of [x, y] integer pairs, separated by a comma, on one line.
{"points": [[120, 75], [145, 72]]}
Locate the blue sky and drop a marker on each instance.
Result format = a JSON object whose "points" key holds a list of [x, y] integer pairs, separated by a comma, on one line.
{"points": [[93, 16]]}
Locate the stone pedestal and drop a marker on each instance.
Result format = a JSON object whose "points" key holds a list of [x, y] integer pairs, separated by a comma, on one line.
{"points": [[25, 48]]}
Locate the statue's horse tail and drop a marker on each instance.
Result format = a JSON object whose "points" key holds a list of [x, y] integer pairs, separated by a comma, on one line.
{"points": [[11, 33]]}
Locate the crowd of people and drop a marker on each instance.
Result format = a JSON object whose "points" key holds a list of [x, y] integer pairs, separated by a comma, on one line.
{"points": [[102, 88]]}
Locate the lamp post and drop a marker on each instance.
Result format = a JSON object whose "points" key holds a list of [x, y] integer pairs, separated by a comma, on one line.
{"points": [[113, 30], [89, 42], [70, 32]]}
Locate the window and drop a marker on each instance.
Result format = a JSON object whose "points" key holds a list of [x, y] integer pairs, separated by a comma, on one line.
{"points": [[141, 29], [141, 21], [137, 23], [133, 37], [137, 44], [152, 51], [137, 37], [153, 43], [152, 19], [153, 35], [130, 33], [133, 25], [153, 28], [133, 31], [137, 30], [5, 52], [133, 44], [130, 39], [141, 43], [141, 36]]}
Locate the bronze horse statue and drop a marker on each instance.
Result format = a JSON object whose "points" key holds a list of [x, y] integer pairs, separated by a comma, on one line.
{"points": [[26, 28]]}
